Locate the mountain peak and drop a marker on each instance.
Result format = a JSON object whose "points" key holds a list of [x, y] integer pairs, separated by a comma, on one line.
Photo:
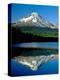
{"points": [[35, 20], [35, 14], [32, 18]]}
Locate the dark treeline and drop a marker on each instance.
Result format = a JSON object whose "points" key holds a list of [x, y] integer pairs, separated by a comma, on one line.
{"points": [[32, 51], [18, 36]]}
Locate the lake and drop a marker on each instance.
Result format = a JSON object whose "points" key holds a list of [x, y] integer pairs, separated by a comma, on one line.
{"points": [[51, 67], [37, 45], [18, 69]]}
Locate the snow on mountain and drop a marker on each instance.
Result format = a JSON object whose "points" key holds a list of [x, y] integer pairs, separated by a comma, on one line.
{"points": [[34, 62], [34, 20]]}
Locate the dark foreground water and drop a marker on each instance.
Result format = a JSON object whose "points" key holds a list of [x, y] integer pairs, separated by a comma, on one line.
{"points": [[21, 70]]}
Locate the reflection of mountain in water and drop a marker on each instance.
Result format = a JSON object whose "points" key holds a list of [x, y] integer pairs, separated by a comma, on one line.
{"points": [[33, 54], [34, 61]]}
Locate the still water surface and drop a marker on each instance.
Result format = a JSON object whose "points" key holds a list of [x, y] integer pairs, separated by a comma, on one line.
{"points": [[37, 45]]}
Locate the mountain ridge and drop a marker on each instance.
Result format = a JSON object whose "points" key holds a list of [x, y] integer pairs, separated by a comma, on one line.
{"points": [[35, 20]]}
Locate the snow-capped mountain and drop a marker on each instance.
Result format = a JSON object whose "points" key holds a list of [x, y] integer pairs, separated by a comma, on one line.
{"points": [[34, 20], [34, 62]]}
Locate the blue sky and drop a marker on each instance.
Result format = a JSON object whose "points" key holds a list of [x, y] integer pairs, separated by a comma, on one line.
{"points": [[19, 11]]}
